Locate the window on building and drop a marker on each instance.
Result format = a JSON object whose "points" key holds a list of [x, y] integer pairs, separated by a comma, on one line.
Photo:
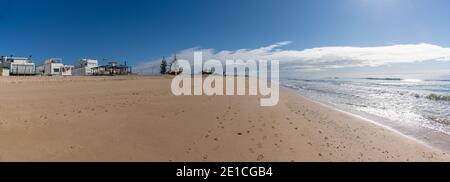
{"points": [[56, 70]]}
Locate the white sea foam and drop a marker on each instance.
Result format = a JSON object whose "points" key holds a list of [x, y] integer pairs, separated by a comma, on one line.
{"points": [[405, 101]]}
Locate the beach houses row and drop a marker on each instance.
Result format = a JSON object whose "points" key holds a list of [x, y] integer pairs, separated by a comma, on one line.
{"points": [[18, 66]]}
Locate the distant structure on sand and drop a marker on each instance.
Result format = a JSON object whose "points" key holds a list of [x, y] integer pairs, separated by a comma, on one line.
{"points": [[24, 66], [83, 67], [55, 67], [10, 65], [112, 69]]}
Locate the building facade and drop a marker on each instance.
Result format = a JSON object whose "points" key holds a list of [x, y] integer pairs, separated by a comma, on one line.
{"points": [[84, 67], [17, 65], [112, 69], [55, 67], [52, 67]]}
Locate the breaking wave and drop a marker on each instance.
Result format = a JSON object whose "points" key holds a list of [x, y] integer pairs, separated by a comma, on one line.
{"points": [[436, 97], [396, 79]]}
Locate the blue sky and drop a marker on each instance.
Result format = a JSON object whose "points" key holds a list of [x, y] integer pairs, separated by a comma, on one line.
{"points": [[145, 30]]}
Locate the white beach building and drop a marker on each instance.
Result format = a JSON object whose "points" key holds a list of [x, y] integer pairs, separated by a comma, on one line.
{"points": [[17, 65], [55, 67], [52, 66], [84, 67], [66, 70], [174, 67]]}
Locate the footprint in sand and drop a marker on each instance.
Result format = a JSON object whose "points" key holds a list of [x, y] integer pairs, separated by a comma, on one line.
{"points": [[188, 151], [260, 157], [260, 145], [251, 150], [205, 157], [291, 149]]}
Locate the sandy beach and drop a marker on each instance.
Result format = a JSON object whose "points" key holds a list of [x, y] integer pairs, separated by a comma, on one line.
{"points": [[138, 119]]}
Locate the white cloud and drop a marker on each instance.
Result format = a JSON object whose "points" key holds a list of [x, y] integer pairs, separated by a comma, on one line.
{"points": [[322, 58]]}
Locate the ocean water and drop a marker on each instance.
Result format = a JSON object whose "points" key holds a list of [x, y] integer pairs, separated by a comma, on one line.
{"points": [[415, 103]]}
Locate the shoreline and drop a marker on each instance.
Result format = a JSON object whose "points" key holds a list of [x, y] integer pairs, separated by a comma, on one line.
{"points": [[380, 122], [426, 136], [138, 119]]}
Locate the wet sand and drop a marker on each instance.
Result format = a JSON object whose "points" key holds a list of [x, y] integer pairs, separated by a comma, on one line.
{"points": [[138, 119]]}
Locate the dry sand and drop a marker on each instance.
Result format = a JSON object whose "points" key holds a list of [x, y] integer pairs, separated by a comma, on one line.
{"points": [[138, 119]]}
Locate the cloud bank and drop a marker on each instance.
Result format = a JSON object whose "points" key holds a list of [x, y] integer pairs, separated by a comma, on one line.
{"points": [[322, 58]]}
